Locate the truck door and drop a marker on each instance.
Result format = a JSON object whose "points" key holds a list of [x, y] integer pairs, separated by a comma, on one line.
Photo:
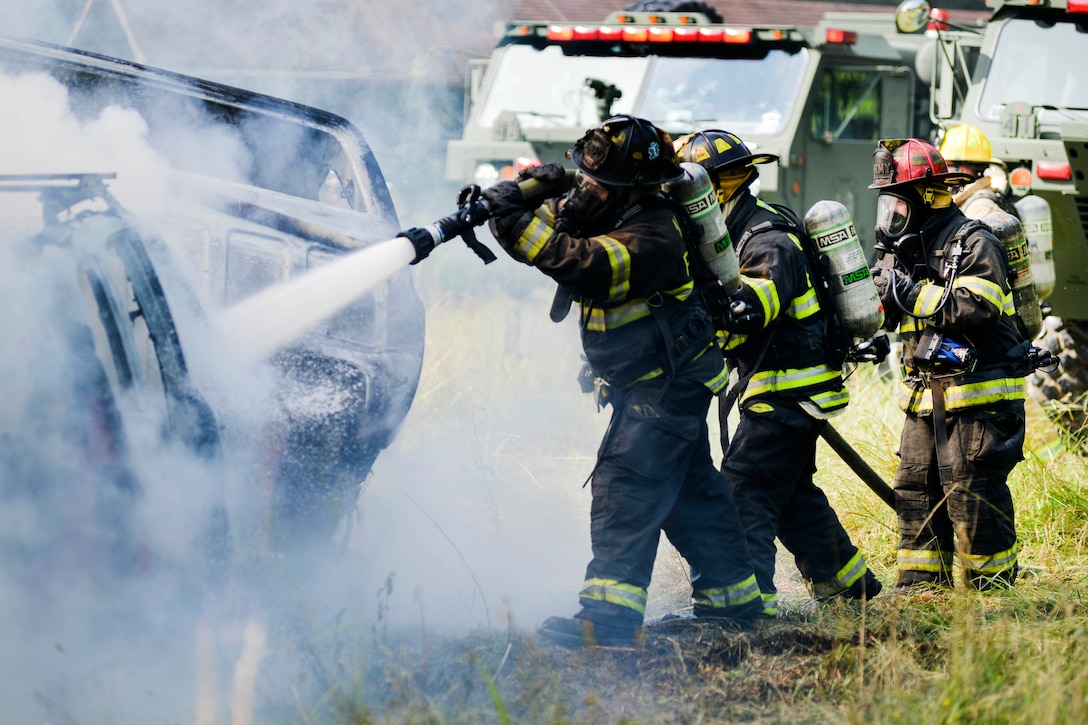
{"points": [[851, 108]]}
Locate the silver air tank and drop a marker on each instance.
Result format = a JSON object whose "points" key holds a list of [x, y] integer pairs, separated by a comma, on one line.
{"points": [[1010, 232], [831, 228], [1035, 216], [696, 194]]}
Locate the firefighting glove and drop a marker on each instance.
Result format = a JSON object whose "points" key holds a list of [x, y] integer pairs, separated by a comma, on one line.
{"points": [[504, 199], [551, 175], [745, 313], [897, 290]]}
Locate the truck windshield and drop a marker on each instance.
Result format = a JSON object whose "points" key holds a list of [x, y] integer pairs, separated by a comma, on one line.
{"points": [[742, 96], [546, 88], [1036, 63]]}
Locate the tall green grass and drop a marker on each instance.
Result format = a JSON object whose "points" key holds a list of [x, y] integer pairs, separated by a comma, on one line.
{"points": [[1015, 656]]}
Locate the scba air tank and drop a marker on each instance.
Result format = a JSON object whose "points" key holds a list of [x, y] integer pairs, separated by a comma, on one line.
{"points": [[1035, 217], [1010, 232], [695, 193], [832, 230]]}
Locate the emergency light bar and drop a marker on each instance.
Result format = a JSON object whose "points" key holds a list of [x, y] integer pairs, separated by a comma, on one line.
{"points": [[645, 34]]}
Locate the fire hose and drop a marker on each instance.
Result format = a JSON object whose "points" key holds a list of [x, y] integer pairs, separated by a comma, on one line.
{"points": [[473, 211], [858, 465]]}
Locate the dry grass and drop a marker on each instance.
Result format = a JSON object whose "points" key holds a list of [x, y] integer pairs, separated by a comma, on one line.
{"points": [[1019, 656]]}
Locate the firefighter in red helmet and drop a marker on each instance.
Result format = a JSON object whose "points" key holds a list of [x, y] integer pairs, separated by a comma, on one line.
{"points": [[616, 244], [790, 387], [943, 280]]}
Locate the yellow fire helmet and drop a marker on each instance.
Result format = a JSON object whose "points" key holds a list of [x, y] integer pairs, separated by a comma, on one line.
{"points": [[967, 144]]}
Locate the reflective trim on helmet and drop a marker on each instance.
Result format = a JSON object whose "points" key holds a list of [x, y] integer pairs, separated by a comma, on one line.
{"points": [[958, 397], [614, 592], [924, 560]]}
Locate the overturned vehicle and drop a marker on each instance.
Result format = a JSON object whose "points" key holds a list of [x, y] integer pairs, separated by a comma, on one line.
{"points": [[123, 407]]}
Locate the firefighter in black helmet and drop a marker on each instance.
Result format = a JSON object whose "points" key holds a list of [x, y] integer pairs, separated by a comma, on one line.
{"points": [[787, 387], [616, 244], [943, 280]]}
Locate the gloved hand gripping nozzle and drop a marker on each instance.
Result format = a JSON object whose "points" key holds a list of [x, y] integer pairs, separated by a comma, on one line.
{"points": [[473, 210]]}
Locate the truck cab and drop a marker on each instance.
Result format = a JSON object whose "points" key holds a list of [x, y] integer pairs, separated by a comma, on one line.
{"points": [[817, 97], [1018, 79]]}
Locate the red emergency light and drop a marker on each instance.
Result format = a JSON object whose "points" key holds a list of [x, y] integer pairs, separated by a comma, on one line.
{"points": [[651, 34], [938, 19], [1077, 6], [841, 37], [1053, 171]]}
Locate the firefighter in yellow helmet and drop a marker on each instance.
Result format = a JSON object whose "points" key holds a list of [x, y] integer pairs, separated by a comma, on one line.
{"points": [[616, 243], [943, 280], [966, 149], [791, 387]]}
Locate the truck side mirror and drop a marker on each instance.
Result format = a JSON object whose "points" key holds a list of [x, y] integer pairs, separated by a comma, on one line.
{"points": [[912, 16]]}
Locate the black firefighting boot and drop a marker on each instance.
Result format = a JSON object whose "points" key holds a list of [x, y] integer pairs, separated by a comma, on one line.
{"points": [[577, 632]]}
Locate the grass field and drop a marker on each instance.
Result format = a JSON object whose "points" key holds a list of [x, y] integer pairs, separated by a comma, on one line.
{"points": [[498, 392]]}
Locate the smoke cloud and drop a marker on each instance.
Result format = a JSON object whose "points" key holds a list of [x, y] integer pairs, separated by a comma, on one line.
{"points": [[474, 517]]}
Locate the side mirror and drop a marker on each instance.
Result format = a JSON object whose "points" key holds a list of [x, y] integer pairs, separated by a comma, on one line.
{"points": [[912, 16]]}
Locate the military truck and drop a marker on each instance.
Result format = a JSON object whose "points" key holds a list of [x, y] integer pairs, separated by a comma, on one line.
{"points": [[1018, 79], [121, 303], [817, 97]]}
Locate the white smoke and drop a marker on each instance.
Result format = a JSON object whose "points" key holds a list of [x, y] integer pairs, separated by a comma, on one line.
{"points": [[475, 517]]}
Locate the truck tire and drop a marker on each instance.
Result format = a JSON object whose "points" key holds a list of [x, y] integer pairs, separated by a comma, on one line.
{"points": [[1063, 392], [677, 6]]}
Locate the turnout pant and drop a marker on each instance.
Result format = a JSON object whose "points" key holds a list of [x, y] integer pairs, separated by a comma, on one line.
{"points": [[769, 465], [654, 473], [974, 511]]}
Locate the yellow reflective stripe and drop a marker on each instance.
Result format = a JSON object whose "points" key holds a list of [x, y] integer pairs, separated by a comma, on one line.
{"points": [[929, 299], [990, 563], [728, 341], [615, 592], [962, 396], [534, 238], [919, 560], [682, 292], [717, 383], [843, 579], [767, 292], [770, 381], [770, 604], [911, 324], [804, 305], [831, 399], [619, 259], [734, 595], [988, 291], [609, 318]]}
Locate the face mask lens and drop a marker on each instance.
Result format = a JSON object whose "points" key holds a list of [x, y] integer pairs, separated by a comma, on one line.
{"points": [[587, 196], [892, 215]]}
